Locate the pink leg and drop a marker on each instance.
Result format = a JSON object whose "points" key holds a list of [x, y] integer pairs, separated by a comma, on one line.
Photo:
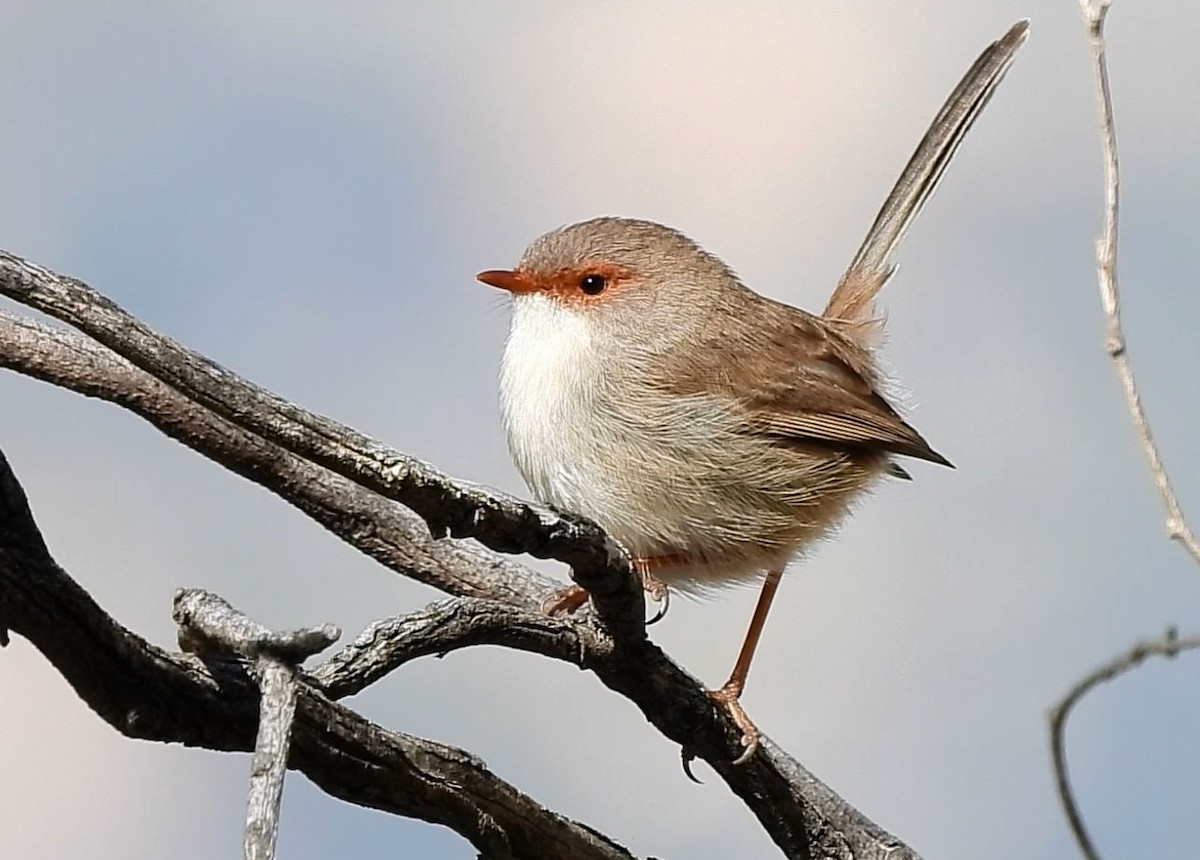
{"points": [[730, 693]]}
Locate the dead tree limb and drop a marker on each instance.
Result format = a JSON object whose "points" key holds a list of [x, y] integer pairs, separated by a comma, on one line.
{"points": [[352, 490], [208, 624], [150, 694]]}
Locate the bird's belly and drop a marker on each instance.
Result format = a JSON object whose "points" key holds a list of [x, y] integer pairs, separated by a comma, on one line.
{"points": [[716, 507], [705, 530]]}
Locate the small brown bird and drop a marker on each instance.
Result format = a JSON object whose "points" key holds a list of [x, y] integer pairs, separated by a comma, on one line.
{"points": [[713, 432]]}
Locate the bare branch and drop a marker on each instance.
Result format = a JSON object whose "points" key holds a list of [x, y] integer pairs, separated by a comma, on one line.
{"points": [[1170, 645], [209, 625], [279, 688], [502, 523], [145, 692], [448, 626], [797, 811], [1094, 12], [781, 792], [387, 532]]}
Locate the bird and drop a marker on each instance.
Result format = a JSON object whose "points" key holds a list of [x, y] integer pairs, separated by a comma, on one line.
{"points": [[715, 433]]}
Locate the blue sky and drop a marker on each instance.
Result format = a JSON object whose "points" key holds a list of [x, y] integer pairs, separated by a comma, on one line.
{"points": [[305, 192]]}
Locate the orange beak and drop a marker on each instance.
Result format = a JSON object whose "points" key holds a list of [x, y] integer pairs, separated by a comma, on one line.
{"points": [[516, 282]]}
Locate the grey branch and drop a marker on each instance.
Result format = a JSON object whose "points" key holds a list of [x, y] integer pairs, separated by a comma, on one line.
{"points": [[834, 828], [448, 626], [209, 625], [277, 682], [147, 693], [389, 533], [1170, 645], [207, 622], [450, 508], [1094, 12], [301, 458]]}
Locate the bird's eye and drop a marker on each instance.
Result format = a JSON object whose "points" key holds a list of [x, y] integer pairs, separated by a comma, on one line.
{"points": [[593, 285]]}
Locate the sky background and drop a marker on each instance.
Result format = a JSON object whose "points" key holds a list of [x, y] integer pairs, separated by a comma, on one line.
{"points": [[304, 192]]}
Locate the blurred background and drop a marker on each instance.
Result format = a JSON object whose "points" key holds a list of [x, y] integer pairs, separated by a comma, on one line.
{"points": [[304, 192]]}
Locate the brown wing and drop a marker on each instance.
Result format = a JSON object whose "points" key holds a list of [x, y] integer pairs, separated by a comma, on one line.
{"points": [[794, 377]]}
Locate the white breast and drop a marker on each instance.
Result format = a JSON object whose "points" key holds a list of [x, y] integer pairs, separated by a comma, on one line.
{"points": [[548, 385]]}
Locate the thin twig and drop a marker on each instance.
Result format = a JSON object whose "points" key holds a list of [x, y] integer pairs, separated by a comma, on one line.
{"points": [[1094, 12], [1168, 646], [277, 708]]}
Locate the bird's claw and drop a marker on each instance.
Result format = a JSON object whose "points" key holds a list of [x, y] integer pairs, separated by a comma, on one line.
{"points": [[686, 757], [660, 595], [728, 698], [655, 589]]}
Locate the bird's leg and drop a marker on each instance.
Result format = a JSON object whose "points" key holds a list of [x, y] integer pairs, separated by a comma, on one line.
{"points": [[570, 599], [729, 695]]}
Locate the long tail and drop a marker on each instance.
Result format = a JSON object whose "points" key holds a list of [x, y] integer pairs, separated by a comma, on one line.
{"points": [[853, 299]]}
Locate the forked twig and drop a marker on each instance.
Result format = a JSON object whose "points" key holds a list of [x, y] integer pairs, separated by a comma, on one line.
{"points": [[208, 624], [1094, 12]]}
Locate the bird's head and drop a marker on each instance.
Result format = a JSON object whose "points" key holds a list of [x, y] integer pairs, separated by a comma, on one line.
{"points": [[621, 275]]}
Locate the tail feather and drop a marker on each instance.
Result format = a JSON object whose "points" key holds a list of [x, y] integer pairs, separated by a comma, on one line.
{"points": [[852, 301]]}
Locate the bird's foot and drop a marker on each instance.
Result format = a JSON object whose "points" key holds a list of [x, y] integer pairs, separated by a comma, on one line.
{"points": [[565, 601], [728, 697]]}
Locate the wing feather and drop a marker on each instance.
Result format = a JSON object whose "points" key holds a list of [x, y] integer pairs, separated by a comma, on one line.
{"points": [[793, 377]]}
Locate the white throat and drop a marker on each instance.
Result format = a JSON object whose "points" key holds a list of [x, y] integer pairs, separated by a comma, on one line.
{"points": [[549, 381]]}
